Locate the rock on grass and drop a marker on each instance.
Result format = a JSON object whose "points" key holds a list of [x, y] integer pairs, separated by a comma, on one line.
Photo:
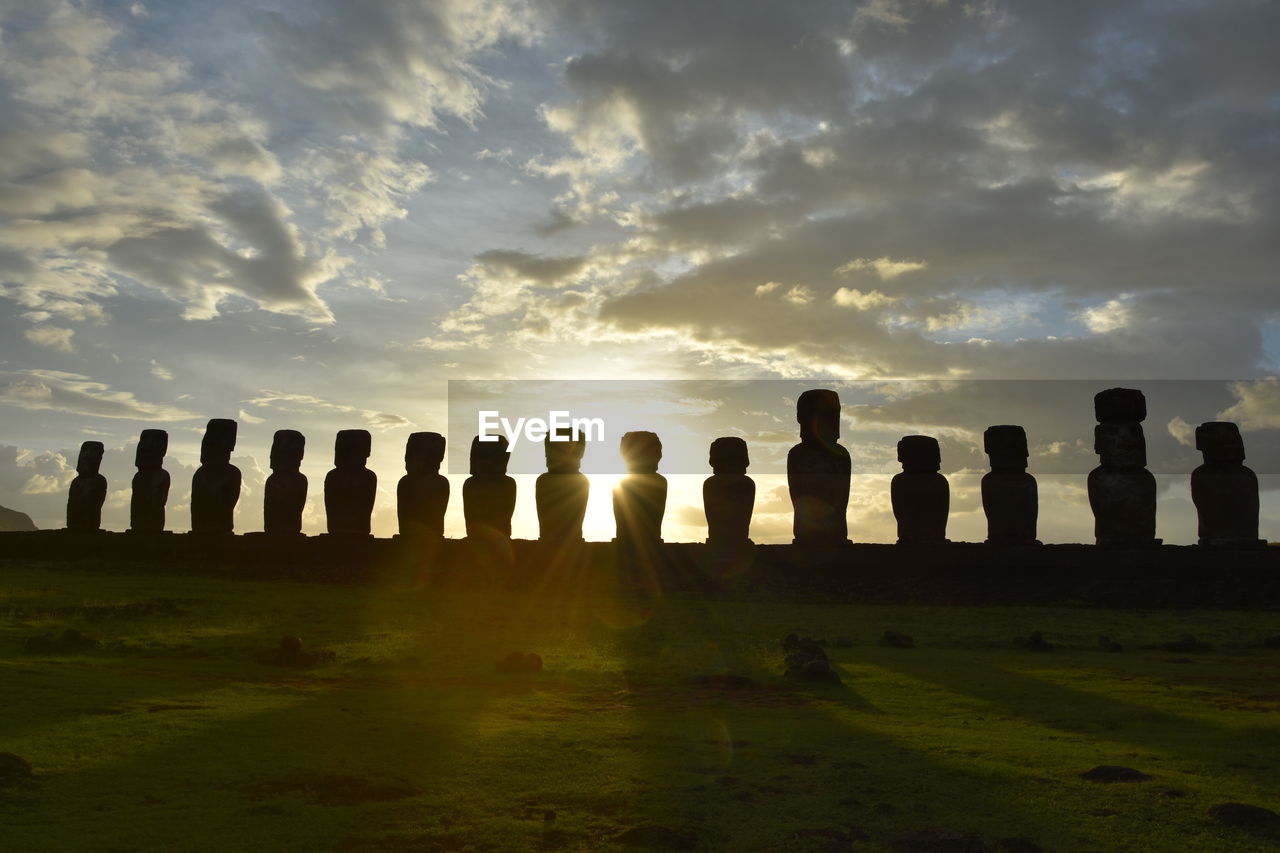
{"points": [[1114, 773], [1034, 642], [897, 640], [519, 662], [70, 641], [1186, 645], [1109, 645], [1243, 814], [13, 769], [290, 652]]}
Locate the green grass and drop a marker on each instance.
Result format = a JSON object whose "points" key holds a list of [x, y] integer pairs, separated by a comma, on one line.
{"points": [[174, 734]]}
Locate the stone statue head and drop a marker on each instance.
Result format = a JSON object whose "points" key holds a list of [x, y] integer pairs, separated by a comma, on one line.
{"points": [[218, 442], [423, 453], [564, 456], [1220, 442], [641, 451], [729, 455], [287, 447], [152, 446], [491, 456], [818, 413], [1006, 445], [1121, 446], [1116, 405], [919, 453], [351, 448], [90, 457]]}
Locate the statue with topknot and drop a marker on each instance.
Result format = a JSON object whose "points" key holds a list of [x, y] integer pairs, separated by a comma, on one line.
{"points": [[1122, 492]]}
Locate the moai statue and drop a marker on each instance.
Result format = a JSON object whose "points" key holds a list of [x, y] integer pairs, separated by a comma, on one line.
{"points": [[640, 499], [561, 493], [920, 495], [728, 495], [1225, 492], [489, 495], [215, 487], [285, 493], [150, 484], [88, 489], [1122, 492], [423, 493], [350, 488], [1009, 495], [818, 471]]}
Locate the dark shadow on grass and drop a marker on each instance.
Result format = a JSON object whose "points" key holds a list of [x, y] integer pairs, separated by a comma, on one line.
{"points": [[791, 772], [1083, 713]]}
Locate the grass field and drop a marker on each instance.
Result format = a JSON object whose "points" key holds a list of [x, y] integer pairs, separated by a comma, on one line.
{"points": [[178, 733]]}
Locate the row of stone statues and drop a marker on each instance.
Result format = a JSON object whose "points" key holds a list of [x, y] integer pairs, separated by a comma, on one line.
{"points": [[1122, 492]]}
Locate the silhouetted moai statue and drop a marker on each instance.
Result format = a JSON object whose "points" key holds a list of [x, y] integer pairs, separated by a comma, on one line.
{"points": [[640, 499], [150, 484], [215, 487], [489, 495], [350, 488], [285, 493], [1122, 492], [1009, 495], [1225, 492], [561, 493], [88, 489], [422, 495], [921, 497], [818, 471], [728, 495]]}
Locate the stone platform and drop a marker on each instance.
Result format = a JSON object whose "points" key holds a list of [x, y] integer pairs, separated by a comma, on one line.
{"points": [[954, 573]]}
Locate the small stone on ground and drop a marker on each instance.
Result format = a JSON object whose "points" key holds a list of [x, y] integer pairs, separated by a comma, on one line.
{"points": [[1243, 814], [1114, 773]]}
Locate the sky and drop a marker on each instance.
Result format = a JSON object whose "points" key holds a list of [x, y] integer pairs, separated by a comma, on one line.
{"points": [[315, 215]]}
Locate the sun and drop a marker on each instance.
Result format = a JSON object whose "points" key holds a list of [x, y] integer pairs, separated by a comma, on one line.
{"points": [[598, 525]]}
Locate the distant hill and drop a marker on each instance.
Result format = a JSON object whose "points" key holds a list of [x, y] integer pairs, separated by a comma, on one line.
{"points": [[11, 519]]}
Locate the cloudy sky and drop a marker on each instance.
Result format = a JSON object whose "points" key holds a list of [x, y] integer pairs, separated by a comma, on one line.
{"points": [[315, 214]]}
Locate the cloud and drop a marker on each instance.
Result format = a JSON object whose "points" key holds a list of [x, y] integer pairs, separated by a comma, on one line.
{"points": [[123, 165], [1257, 406], [1108, 317], [851, 297], [306, 404], [53, 337], [530, 268], [885, 268], [994, 177], [55, 390]]}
